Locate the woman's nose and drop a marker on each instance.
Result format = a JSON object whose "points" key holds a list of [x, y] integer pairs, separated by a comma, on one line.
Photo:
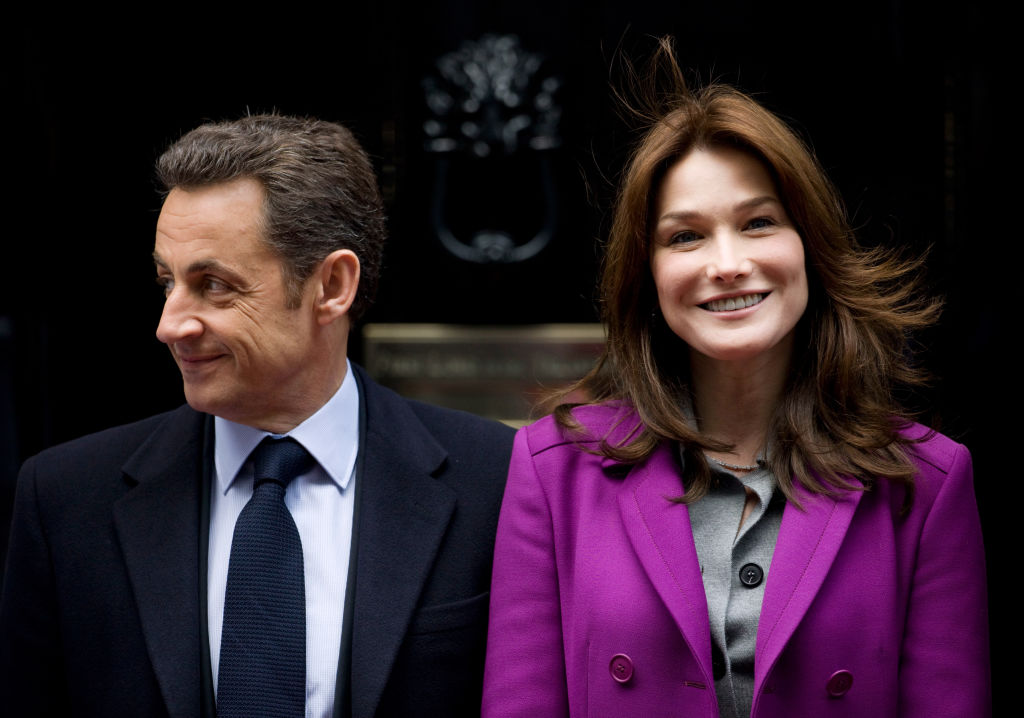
{"points": [[728, 260]]}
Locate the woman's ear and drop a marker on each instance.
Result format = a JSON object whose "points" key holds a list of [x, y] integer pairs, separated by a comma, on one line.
{"points": [[339, 282]]}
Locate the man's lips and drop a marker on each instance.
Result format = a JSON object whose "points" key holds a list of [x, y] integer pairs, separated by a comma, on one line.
{"points": [[732, 304], [197, 359]]}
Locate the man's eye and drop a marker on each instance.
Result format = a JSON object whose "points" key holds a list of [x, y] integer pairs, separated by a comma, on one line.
{"points": [[214, 285], [166, 284]]}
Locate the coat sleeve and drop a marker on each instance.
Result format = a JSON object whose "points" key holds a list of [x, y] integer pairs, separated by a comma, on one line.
{"points": [[525, 668], [31, 662], [944, 662]]}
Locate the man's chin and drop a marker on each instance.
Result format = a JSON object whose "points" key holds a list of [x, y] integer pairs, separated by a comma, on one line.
{"points": [[202, 401]]}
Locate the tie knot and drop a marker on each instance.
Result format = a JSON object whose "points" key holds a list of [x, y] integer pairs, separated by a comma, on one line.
{"points": [[279, 460]]}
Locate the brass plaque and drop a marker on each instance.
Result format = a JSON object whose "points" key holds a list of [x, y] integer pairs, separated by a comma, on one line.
{"points": [[496, 371]]}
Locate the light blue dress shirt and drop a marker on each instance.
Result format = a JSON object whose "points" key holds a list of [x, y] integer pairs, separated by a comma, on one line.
{"points": [[322, 504]]}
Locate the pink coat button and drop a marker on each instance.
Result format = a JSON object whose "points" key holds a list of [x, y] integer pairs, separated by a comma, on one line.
{"points": [[621, 668], [839, 683]]}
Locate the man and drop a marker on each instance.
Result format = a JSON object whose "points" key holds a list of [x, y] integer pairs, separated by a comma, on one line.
{"points": [[125, 588]]}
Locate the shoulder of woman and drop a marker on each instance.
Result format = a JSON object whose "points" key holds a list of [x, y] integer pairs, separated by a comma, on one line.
{"points": [[612, 420], [933, 451]]}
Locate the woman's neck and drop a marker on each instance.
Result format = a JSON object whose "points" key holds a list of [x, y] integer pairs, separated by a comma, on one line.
{"points": [[734, 401]]}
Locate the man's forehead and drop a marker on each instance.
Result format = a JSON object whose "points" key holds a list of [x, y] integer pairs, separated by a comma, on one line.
{"points": [[238, 205], [214, 224]]}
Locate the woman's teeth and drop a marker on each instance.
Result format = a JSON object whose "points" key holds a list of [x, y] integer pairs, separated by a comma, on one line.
{"points": [[733, 303]]}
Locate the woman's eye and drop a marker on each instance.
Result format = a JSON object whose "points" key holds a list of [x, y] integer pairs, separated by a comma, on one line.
{"points": [[761, 223], [684, 237]]}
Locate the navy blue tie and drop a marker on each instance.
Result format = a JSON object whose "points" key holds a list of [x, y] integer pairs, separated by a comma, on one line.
{"points": [[263, 644]]}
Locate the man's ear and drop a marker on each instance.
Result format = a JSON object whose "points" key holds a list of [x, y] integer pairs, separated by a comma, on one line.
{"points": [[339, 282]]}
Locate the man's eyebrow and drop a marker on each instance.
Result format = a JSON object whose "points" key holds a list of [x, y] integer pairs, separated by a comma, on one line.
{"points": [[202, 265], [205, 265]]}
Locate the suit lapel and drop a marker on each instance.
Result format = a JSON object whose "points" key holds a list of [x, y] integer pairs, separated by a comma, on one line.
{"points": [[403, 514], [808, 542], [158, 529], [660, 532]]}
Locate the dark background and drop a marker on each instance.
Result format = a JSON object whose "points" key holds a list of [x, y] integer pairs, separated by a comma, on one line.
{"points": [[902, 103]]}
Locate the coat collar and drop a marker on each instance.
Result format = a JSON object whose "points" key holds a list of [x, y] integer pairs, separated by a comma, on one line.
{"points": [[157, 525], [809, 539], [660, 532], [403, 515]]}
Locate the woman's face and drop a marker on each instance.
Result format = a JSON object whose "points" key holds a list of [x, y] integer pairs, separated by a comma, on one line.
{"points": [[727, 263]]}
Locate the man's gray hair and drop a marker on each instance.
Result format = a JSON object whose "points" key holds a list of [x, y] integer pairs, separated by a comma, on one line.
{"points": [[320, 190]]}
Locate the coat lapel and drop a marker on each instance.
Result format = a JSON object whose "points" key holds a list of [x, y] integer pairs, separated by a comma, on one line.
{"points": [[808, 542], [403, 514], [158, 528], [660, 532]]}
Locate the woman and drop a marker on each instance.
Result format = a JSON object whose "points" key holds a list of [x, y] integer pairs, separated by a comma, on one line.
{"points": [[738, 522]]}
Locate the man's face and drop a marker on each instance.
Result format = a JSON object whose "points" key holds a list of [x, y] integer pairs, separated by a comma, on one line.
{"points": [[243, 354]]}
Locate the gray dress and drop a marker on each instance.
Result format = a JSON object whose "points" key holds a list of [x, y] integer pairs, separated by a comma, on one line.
{"points": [[734, 566]]}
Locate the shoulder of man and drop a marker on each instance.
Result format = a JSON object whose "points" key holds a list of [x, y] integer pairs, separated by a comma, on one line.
{"points": [[115, 445], [462, 426], [457, 431]]}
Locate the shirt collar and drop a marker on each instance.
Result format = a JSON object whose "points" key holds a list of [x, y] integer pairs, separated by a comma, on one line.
{"points": [[331, 435]]}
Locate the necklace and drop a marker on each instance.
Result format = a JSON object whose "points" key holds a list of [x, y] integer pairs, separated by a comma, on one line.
{"points": [[734, 467]]}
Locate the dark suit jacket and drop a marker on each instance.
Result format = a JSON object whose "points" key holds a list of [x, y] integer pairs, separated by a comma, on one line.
{"points": [[103, 609]]}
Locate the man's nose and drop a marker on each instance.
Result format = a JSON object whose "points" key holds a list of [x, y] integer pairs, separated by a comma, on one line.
{"points": [[178, 320]]}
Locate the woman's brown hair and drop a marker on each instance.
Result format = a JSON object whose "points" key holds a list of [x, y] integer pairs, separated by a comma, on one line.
{"points": [[838, 416]]}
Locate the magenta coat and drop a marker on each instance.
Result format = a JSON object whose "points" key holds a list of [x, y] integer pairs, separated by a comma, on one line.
{"points": [[598, 609]]}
